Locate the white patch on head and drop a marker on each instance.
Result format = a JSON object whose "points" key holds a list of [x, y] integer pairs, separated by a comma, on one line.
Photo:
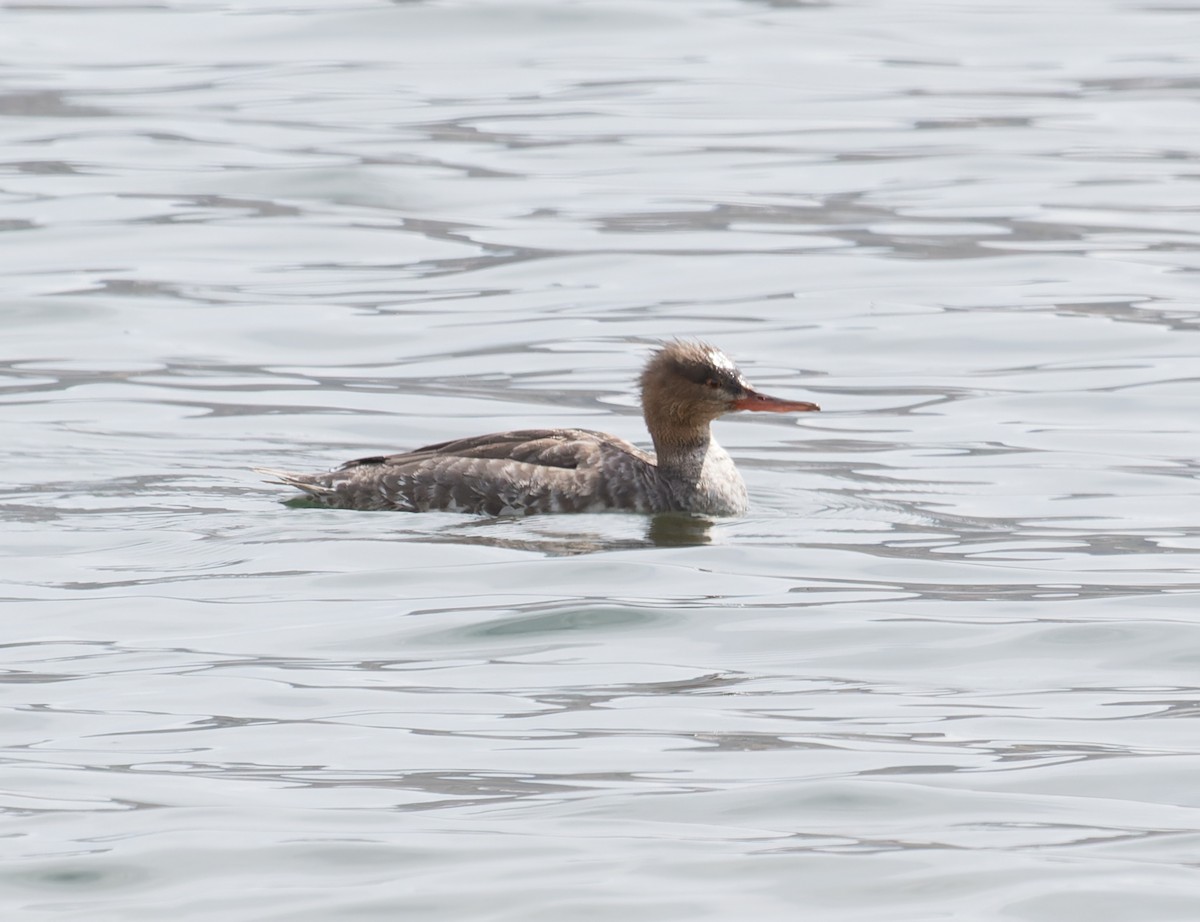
{"points": [[720, 360]]}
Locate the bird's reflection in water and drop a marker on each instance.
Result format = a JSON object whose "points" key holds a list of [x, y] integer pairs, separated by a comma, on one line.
{"points": [[556, 535], [678, 530], [563, 536]]}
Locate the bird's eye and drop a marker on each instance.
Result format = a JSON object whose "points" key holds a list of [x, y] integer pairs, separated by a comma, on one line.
{"points": [[712, 382]]}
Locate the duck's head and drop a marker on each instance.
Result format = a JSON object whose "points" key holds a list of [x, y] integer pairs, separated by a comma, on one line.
{"points": [[686, 385]]}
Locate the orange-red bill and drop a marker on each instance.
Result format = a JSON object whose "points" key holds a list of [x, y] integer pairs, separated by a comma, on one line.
{"points": [[764, 404]]}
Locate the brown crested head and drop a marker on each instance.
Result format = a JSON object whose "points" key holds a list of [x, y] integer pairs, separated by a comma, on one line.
{"points": [[686, 385]]}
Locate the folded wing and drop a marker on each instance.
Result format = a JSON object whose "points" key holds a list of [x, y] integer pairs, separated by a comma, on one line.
{"points": [[511, 473]]}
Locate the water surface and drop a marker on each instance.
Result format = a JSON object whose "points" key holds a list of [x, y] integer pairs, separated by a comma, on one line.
{"points": [[946, 668]]}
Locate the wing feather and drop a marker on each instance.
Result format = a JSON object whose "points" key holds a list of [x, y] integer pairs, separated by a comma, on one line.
{"points": [[523, 472]]}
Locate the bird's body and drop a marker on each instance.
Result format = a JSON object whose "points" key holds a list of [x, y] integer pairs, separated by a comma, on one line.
{"points": [[684, 387]]}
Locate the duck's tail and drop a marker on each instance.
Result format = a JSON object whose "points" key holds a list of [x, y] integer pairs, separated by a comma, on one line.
{"points": [[312, 484]]}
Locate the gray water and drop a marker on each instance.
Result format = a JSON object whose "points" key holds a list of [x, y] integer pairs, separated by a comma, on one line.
{"points": [[947, 668]]}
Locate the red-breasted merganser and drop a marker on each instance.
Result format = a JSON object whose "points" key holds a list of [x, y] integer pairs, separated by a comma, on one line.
{"points": [[685, 386]]}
